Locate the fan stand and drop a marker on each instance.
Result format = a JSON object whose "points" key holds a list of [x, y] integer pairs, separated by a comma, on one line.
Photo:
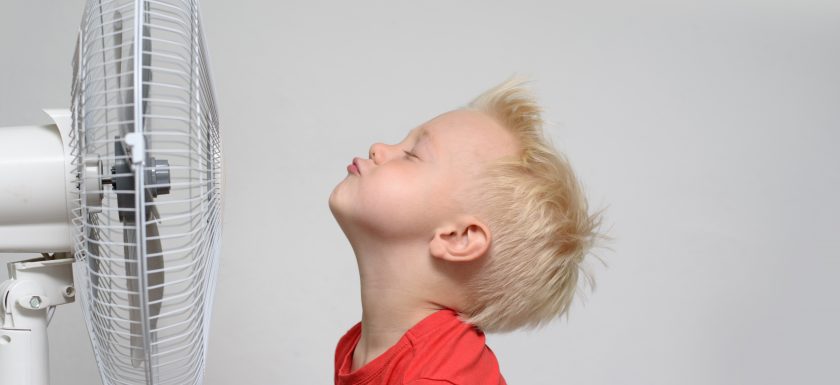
{"points": [[34, 287]]}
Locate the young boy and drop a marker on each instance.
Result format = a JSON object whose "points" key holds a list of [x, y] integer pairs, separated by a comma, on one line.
{"points": [[473, 223]]}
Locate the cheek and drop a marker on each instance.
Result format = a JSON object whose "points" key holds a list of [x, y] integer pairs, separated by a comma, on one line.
{"points": [[390, 190], [395, 202]]}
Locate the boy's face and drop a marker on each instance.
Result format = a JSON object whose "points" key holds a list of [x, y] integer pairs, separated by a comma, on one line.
{"points": [[397, 196]]}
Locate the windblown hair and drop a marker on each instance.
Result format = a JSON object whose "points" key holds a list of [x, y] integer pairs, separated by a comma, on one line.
{"points": [[538, 217]]}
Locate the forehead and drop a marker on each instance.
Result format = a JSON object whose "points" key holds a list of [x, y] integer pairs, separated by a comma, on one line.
{"points": [[466, 135]]}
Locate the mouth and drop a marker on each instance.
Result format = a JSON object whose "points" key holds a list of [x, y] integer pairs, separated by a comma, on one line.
{"points": [[353, 168]]}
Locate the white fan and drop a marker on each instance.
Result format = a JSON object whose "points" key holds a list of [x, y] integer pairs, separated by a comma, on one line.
{"points": [[123, 197]]}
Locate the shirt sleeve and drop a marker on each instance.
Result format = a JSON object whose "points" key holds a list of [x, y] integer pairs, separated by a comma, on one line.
{"points": [[429, 381]]}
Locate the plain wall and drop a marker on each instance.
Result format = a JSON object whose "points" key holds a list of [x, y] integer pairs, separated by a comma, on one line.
{"points": [[708, 129]]}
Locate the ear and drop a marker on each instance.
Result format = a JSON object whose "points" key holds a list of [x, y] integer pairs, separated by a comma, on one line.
{"points": [[465, 240]]}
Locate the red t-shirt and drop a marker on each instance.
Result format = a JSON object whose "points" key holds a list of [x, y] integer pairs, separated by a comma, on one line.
{"points": [[439, 350]]}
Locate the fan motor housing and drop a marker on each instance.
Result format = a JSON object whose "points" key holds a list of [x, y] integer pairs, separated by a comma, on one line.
{"points": [[34, 183]]}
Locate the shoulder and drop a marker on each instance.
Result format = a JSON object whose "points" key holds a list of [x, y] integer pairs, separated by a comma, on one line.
{"points": [[453, 353]]}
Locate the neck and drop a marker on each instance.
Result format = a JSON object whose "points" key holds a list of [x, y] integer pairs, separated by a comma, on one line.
{"points": [[393, 300]]}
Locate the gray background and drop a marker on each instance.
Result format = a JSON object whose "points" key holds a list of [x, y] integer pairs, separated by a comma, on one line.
{"points": [[707, 128]]}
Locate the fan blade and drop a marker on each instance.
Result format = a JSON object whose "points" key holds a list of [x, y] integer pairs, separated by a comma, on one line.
{"points": [[93, 254], [154, 264], [124, 64], [153, 277], [133, 300]]}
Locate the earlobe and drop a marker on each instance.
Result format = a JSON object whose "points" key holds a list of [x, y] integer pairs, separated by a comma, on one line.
{"points": [[463, 241]]}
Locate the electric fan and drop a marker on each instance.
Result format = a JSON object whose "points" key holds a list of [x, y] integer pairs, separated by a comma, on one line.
{"points": [[123, 198]]}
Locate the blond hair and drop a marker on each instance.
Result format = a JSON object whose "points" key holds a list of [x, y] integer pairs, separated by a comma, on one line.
{"points": [[538, 217]]}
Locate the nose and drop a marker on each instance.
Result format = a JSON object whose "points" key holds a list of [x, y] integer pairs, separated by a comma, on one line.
{"points": [[379, 152]]}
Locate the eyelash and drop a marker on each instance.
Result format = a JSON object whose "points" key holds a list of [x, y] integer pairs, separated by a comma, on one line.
{"points": [[411, 154]]}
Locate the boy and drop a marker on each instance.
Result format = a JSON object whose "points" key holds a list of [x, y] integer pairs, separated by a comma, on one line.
{"points": [[472, 224]]}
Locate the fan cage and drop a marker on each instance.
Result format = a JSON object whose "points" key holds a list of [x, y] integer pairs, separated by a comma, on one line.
{"points": [[147, 271]]}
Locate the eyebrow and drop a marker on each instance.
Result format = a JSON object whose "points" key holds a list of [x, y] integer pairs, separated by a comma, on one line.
{"points": [[424, 133]]}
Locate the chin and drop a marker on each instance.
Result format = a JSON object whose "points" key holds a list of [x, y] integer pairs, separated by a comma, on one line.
{"points": [[339, 205], [333, 201]]}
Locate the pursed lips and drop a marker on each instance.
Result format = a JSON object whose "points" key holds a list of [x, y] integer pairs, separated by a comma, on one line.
{"points": [[356, 164]]}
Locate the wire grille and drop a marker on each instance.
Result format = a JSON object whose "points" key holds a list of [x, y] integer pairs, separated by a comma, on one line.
{"points": [[149, 251]]}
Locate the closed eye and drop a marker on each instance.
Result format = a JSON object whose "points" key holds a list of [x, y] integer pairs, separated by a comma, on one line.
{"points": [[409, 153]]}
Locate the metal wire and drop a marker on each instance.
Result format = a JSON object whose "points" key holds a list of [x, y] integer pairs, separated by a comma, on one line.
{"points": [[147, 284]]}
